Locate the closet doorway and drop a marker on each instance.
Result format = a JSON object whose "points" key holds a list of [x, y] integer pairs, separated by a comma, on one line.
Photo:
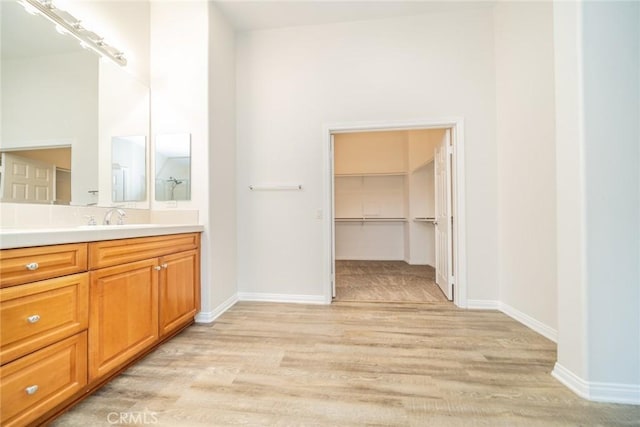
{"points": [[395, 224]]}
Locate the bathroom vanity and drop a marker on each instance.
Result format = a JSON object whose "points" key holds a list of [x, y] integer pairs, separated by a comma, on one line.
{"points": [[84, 305]]}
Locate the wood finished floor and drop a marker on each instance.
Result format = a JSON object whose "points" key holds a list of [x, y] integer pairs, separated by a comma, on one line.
{"points": [[267, 364], [386, 281]]}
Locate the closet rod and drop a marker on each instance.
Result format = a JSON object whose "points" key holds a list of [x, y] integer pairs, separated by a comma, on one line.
{"points": [[276, 187]]}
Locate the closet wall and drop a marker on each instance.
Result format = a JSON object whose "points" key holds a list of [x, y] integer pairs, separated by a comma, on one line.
{"points": [[384, 195]]}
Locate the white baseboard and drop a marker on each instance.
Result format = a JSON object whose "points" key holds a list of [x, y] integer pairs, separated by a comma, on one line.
{"points": [[210, 316], [596, 391], [300, 299], [571, 380], [544, 330], [483, 304], [615, 393], [368, 258], [525, 319]]}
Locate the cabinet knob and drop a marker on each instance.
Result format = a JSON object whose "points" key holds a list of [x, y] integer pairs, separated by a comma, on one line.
{"points": [[165, 265], [32, 389], [33, 319], [157, 267], [32, 266]]}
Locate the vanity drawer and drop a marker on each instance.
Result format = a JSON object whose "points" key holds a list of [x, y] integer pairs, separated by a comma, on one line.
{"points": [[116, 252], [26, 265], [35, 384], [41, 313]]}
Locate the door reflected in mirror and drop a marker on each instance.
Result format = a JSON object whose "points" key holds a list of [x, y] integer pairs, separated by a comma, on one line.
{"points": [[173, 167], [128, 164], [36, 176]]}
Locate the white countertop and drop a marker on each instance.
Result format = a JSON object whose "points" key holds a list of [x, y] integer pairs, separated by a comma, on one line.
{"points": [[26, 237]]}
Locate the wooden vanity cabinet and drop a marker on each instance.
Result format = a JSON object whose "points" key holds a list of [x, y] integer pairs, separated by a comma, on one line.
{"points": [[141, 301], [44, 313], [85, 313]]}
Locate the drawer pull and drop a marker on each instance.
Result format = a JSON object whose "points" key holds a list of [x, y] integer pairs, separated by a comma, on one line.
{"points": [[32, 389], [33, 319], [32, 266], [157, 267], [165, 265]]}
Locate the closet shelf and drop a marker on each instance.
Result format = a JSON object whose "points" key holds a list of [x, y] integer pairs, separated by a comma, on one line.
{"points": [[371, 219], [422, 165], [372, 174], [424, 219]]}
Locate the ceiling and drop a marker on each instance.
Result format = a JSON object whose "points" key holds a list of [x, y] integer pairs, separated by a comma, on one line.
{"points": [[269, 14]]}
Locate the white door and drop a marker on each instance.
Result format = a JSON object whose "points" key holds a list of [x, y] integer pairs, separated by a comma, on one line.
{"points": [[27, 180], [443, 186], [333, 220]]}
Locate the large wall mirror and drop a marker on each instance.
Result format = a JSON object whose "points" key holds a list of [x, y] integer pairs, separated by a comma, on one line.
{"points": [[173, 167], [128, 168], [61, 107]]}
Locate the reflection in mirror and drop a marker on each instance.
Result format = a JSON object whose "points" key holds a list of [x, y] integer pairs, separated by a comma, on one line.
{"points": [[36, 176], [49, 99], [128, 166], [124, 110], [55, 94], [173, 167]]}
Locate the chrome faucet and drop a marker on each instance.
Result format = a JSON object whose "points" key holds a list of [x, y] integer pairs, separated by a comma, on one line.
{"points": [[121, 215]]}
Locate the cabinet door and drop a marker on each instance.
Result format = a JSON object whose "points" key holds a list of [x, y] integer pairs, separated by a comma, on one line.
{"points": [[179, 290], [37, 383], [124, 314]]}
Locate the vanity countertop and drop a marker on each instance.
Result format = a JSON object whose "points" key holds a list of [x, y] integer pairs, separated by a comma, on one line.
{"points": [[26, 237]]}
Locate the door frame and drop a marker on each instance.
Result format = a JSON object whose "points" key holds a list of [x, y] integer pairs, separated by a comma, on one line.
{"points": [[456, 124]]}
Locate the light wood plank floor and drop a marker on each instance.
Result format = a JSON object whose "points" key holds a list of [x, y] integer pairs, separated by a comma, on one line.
{"points": [[353, 364], [386, 281]]}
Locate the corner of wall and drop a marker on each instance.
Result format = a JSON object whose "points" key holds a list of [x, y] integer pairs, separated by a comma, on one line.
{"points": [[597, 391], [210, 316]]}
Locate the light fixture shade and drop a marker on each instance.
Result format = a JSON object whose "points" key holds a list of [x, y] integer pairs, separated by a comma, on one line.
{"points": [[69, 23]]}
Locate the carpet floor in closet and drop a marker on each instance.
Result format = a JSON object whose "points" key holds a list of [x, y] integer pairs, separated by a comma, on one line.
{"points": [[386, 281]]}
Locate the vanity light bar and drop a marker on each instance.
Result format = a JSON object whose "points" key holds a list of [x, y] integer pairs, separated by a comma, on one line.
{"points": [[73, 25]]}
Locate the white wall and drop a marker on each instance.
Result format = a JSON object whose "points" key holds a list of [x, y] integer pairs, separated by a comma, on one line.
{"points": [[598, 181], [180, 104], [370, 241], [611, 35], [572, 327], [526, 158], [222, 159], [293, 81]]}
